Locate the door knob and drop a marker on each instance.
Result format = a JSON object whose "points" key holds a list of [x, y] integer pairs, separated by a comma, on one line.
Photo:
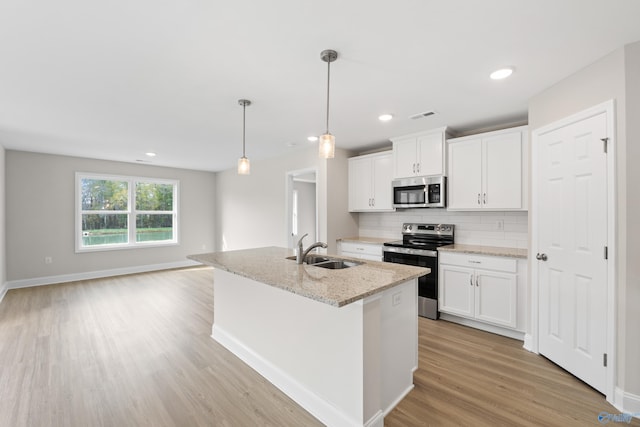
{"points": [[541, 257]]}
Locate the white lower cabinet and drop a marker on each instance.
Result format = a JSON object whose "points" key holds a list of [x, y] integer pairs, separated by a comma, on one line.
{"points": [[487, 289], [368, 251]]}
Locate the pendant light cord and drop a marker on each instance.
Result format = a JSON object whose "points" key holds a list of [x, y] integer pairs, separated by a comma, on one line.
{"points": [[328, 83], [244, 109]]}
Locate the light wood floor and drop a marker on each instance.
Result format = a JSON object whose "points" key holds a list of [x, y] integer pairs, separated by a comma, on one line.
{"points": [[136, 351]]}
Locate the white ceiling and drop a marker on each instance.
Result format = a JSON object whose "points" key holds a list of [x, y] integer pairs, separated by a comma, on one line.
{"points": [[115, 79]]}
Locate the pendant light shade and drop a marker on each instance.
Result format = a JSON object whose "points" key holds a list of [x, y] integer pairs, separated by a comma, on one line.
{"points": [[327, 144], [244, 167], [327, 147]]}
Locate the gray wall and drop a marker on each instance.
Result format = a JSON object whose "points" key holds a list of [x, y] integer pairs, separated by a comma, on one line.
{"points": [[3, 239], [251, 210], [604, 80], [40, 213]]}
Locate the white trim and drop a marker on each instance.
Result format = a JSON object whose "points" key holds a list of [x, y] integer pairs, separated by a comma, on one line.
{"points": [[397, 401], [3, 290], [288, 185], [73, 277], [528, 342], [316, 405], [494, 329], [608, 108], [627, 402]]}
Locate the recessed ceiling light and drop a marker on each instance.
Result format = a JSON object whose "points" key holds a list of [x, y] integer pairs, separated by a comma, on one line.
{"points": [[312, 138], [150, 154], [502, 73], [385, 117]]}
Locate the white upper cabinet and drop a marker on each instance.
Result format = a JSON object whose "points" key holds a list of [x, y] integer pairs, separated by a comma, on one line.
{"points": [[488, 171], [419, 154], [370, 179]]}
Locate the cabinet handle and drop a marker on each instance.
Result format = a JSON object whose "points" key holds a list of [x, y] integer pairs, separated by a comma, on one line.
{"points": [[484, 198], [414, 168], [418, 167], [478, 198], [477, 281], [373, 202], [471, 279]]}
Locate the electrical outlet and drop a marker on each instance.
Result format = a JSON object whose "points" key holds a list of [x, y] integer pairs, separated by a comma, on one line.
{"points": [[500, 224], [48, 260], [395, 299]]}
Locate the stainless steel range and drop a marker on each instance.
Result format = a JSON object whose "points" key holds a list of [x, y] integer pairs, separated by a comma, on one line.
{"points": [[419, 246]]}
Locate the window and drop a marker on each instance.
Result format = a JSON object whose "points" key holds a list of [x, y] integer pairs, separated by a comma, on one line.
{"points": [[116, 212]]}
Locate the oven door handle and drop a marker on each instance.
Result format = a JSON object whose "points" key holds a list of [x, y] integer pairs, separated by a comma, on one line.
{"points": [[410, 251]]}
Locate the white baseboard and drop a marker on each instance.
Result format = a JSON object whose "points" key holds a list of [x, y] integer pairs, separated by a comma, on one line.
{"points": [[314, 404], [509, 333], [73, 277], [528, 343], [3, 290], [627, 403]]}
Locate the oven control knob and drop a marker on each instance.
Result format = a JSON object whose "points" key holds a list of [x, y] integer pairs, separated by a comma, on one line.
{"points": [[407, 227]]}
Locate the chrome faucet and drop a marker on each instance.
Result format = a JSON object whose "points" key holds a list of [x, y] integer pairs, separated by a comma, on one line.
{"points": [[302, 253]]}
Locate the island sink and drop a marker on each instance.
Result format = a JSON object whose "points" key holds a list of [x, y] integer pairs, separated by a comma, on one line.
{"points": [[326, 262]]}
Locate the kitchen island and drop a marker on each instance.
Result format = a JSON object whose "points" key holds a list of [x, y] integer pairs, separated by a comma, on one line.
{"points": [[341, 343]]}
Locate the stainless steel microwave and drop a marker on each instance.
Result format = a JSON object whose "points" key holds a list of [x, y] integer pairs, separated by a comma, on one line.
{"points": [[420, 192]]}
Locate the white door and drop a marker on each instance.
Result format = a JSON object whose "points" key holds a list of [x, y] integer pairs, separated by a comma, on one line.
{"points": [[456, 290], [404, 153], [465, 171], [360, 193], [382, 177], [502, 171], [430, 156], [572, 235], [496, 298]]}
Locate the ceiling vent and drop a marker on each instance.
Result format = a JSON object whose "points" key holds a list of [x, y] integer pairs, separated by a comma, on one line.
{"points": [[421, 115]]}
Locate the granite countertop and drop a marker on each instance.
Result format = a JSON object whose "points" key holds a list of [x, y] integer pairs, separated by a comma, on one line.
{"points": [[334, 287], [362, 239], [485, 250]]}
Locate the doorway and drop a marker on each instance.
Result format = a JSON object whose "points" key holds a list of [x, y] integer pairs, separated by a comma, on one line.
{"points": [[302, 212], [573, 241]]}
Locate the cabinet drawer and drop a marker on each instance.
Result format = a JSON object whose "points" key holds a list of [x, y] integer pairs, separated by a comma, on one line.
{"points": [[509, 265], [361, 249]]}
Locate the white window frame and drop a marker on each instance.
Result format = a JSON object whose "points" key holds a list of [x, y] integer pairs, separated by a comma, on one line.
{"points": [[131, 212]]}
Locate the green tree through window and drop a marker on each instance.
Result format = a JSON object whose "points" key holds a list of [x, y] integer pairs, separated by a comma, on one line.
{"points": [[125, 211]]}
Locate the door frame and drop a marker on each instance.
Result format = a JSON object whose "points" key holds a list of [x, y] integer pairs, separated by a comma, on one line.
{"points": [[289, 178], [531, 341]]}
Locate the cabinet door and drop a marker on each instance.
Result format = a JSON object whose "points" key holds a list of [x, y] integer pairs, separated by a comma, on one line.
{"points": [[502, 171], [456, 290], [465, 174], [360, 194], [496, 298], [404, 154], [382, 177], [430, 155]]}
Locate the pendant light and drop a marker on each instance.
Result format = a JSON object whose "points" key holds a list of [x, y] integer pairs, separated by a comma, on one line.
{"points": [[244, 168], [327, 146]]}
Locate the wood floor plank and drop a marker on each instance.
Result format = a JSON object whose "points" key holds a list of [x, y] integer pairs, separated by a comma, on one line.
{"points": [[136, 351]]}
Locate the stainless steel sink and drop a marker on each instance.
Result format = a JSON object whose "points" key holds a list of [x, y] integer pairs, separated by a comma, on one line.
{"points": [[327, 262]]}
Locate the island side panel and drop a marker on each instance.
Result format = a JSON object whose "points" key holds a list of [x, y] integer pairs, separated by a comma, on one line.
{"points": [[310, 350], [399, 342]]}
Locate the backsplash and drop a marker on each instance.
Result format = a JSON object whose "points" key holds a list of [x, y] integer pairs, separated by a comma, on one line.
{"points": [[472, 228]]}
